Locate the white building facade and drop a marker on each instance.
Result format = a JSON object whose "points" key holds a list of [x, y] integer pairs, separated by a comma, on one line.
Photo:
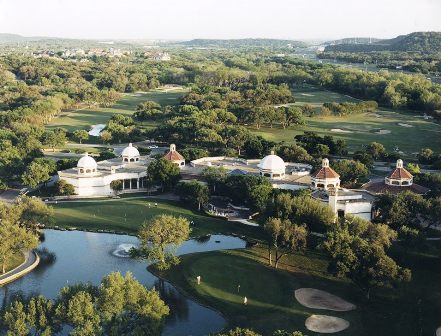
{"points": [[91, 178]]}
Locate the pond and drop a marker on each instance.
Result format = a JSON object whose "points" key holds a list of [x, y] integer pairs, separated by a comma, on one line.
{"points": [[85, 256]]}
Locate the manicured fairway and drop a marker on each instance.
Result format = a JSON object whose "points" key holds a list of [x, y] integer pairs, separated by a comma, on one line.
{"points": [[84, 118], [413, 309], [127, 215], [360, 129]]}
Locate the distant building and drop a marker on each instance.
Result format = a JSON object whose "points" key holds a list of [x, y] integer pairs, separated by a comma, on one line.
{"points": [[325, 178], [91, 178], [174, 156], [326, 185], [398, 181], [272, 166], [157, 56]]}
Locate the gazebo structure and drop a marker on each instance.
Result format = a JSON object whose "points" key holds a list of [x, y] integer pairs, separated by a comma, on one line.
{"points": [[325, 178], [174, 156], [397, 181], [130, 154], [272, 166]]}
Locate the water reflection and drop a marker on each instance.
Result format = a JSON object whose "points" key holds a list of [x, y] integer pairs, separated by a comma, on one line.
{"points": [[69, 257]]}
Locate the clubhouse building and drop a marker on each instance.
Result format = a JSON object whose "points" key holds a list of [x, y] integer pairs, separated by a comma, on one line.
{"points": [[93, 179]]}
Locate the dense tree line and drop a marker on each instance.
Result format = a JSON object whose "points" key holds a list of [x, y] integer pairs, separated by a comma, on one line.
{"points": [[120, 305]]}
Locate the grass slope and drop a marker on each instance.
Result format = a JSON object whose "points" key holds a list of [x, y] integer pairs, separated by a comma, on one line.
{"points": [[362, 126], [15, 261], [84, 118], [413, 309], [127, 215]]}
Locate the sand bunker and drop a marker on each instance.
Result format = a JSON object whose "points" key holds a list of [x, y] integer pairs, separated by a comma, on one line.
{"points": [[405, 125], [318, 299], [376, 115], [382, 131], [438, 331], [325, 324], [307, 94], [339, 130]]}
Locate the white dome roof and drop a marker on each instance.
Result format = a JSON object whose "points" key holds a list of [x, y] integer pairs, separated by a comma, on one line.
{"points": [[130, 151], [272, 163], [86, 162]]}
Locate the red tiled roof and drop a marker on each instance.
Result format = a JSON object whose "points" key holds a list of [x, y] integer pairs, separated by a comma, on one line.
{"points": [[383, 188], [325, 173], [400, 173], [173, 156]]}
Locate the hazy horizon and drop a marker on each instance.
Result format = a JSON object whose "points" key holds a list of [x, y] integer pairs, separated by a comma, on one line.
{"points": [[183, 20]]}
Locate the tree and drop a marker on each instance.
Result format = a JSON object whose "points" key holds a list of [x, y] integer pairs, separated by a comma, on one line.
{"points": [[357, 250], [15, 238], [294, 153], [54, 138], [214, 176], [193, 191], [64, 188], [376, 150], [236, 136], [39, 171], [405, 209], [350, 172], [116, 186], [413, 168], [120, 305], [164, 172], [81, 135], [160, 237], [426, 156], [285, 237], [106, 136], [32, 213], [301, 209], [292, 115]]}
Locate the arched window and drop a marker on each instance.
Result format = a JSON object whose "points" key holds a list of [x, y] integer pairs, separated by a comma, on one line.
{"points": [[137, 159], [320, 185], [132, 160], [87, 171], [405, 183], [267, 174], [395, 183], [330, 186], [126, 160], [82, 171], [313, 184]]}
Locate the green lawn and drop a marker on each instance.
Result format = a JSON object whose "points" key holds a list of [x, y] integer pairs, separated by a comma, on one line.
{"points": [[361, 127], [15, 261], [84, 118], [413, 309], [127, 215]]}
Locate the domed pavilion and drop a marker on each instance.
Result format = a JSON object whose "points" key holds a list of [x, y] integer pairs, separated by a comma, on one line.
{"points": [[272, 166], [86, 165]]}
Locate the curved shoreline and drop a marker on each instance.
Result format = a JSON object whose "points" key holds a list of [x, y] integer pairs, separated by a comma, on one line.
{"points": [[31, 261], [189, 296]]}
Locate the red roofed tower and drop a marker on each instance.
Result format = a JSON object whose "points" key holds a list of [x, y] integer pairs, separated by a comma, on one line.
{"points": [[174, 156], [400, 176], [325, 177]]}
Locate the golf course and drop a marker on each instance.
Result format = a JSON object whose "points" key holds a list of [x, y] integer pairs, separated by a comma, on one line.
{"points": [[408, 131], [229, 276], [85, 118]]}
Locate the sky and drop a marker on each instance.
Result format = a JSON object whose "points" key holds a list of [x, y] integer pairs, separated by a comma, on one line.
{"points": [[188, 19]]}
